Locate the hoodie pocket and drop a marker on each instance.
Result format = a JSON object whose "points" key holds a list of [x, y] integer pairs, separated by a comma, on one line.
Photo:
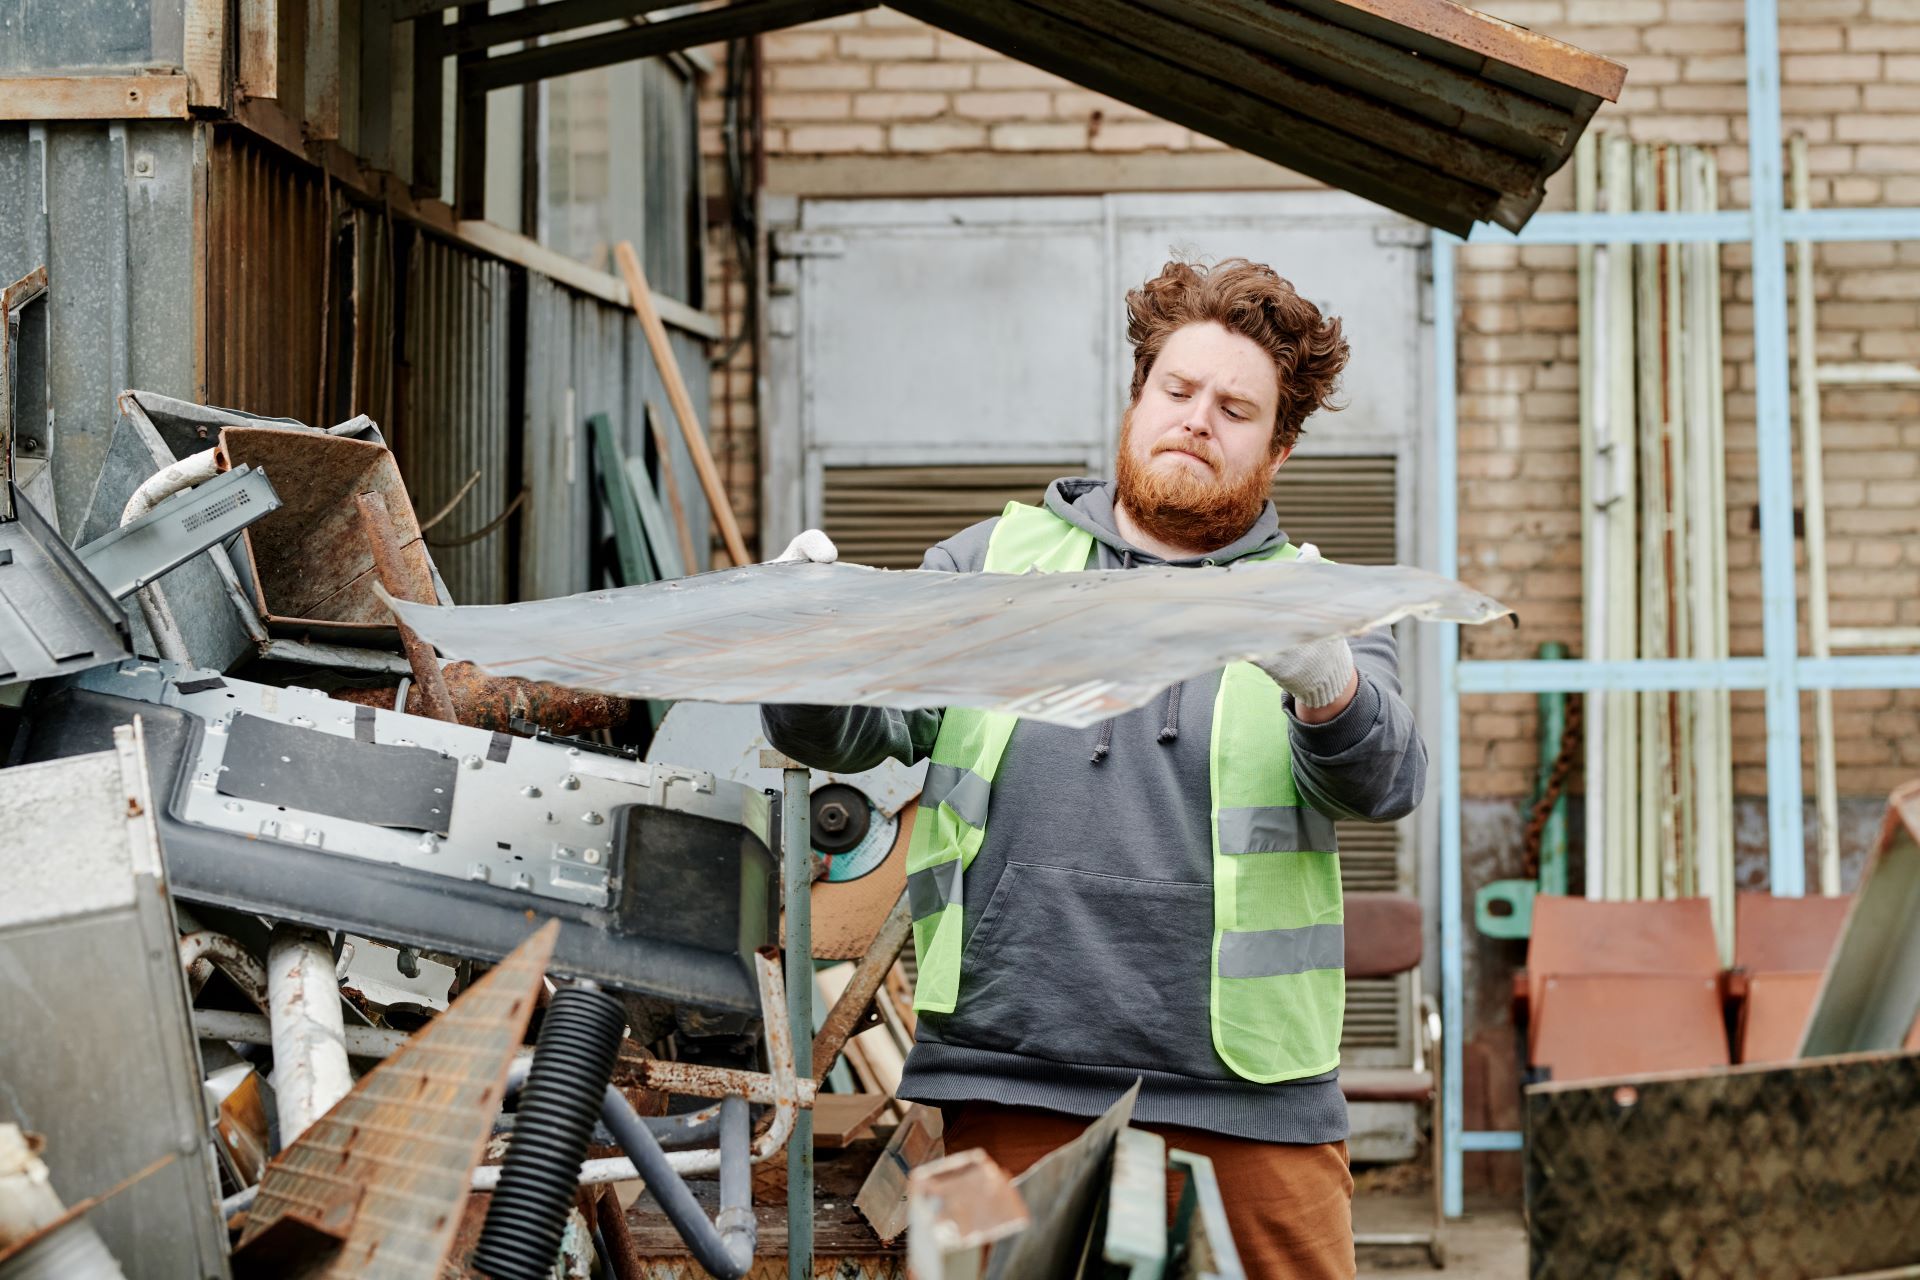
{"points": [[1078, 967]]}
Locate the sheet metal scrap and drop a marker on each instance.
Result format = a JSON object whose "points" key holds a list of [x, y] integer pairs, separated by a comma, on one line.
{"points": [[1806, 1170], [1069, 648], [386, 1171]]}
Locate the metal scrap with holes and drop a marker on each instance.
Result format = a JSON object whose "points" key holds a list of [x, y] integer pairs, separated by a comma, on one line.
{"points": [[1069, 648]]}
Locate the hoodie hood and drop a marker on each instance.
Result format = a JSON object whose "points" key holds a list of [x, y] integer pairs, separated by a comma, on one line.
{"points": [[1088, 504]]}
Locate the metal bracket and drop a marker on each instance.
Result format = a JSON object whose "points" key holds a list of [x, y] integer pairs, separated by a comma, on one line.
{"points": [[179, 529]]}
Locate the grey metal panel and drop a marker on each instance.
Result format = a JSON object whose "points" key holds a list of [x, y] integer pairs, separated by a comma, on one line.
{"points": [[108, 208], [99, 1053], [553, 554], [91, 35], [690, 353], [456, 417], [956, 325]]}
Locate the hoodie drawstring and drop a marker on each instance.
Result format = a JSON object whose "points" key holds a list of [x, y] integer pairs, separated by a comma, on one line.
{"points": [[1105, 742], [1171, 729]]}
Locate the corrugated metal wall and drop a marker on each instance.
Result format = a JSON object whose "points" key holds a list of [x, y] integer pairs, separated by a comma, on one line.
{"points": [[108, 209], [455, 417], [269, 266]]}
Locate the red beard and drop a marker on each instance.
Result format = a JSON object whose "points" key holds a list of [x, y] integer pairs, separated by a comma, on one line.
{"points": [[1183, 506]]}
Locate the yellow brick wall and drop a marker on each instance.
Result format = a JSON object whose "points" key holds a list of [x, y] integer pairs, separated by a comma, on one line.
{"points": [[881, 85]]}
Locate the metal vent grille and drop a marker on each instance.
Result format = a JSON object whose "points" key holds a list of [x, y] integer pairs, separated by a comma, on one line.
{"points": [[1370, 863], [888, 516], [1345, 506]]}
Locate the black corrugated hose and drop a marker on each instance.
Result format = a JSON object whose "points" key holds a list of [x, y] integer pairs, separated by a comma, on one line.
{"points": [[579, 1040]]}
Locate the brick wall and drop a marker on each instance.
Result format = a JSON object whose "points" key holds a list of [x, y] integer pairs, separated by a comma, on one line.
{"points": [[881, 87]]}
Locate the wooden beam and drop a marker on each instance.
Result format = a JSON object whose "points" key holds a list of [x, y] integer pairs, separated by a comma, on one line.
{"points": [[469, 129], [577, 275], [736, 21], [205, 60], [682, 404], [259, 49], [546, 20], [95, 98], [428, 57]]}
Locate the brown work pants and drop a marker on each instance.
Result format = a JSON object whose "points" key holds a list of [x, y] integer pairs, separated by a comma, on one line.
{"points": [[1290, 1207]]}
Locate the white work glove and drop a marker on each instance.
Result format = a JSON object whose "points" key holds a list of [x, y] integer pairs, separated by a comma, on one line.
{"points": [[1315, 674], [811, 546]]}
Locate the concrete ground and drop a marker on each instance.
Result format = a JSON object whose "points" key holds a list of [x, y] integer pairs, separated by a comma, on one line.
{"points": [[1490, 1241]]}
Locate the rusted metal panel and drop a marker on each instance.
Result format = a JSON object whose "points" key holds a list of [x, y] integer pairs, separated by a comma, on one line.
{"points": [[1424, 106], [1069, 648], [269, 234], [455, 415], [1779, 1171], [388, 1167]]}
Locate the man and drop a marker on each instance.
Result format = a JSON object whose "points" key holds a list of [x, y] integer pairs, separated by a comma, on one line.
{"points": [[1156, 898]]}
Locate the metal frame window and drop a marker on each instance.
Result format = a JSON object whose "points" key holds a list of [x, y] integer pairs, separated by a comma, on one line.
{"points": [[1781, 672]]}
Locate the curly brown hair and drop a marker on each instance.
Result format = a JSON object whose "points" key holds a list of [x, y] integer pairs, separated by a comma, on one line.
{"points": [[1256, 302]]}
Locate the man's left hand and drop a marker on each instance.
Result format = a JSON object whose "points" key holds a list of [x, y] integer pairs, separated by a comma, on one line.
{"points": [[1320, 676]]}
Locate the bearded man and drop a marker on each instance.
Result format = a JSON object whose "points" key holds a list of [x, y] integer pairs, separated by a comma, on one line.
{"points": [[1156, 898]]}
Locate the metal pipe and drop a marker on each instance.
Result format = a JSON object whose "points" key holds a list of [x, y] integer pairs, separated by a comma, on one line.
{"points": [[1553, 834], [434, 698], [310, 1070], [1446, 734], [796, 843], [723, 1246], [868, 977], [197, 950], [155, 489], [251, 1028], [1814, 506]]}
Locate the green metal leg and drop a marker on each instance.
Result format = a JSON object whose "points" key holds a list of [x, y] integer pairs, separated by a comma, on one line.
{"points": [[796, 843]]}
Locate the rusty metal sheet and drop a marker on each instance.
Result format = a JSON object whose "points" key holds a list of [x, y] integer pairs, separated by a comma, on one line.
{"points": [[390, 1164], [1068, 648], [1424, 106], [1756, 1172]]}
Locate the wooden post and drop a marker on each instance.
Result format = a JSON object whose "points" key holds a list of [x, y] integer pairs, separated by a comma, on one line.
{"points": [[682, 405]]}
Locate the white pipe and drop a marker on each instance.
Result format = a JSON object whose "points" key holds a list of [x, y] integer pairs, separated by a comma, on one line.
{"points": [[1874, 637], [310, 1070], [251, 1028], [1592, 514], [155, 489], [1814, 504], [232, 959]]}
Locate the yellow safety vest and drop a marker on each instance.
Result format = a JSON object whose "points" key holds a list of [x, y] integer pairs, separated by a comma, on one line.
{"points": [[1279, 978]]}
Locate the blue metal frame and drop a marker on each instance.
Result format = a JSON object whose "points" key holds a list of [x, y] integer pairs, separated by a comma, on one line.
{"points": [[1780, 671]]}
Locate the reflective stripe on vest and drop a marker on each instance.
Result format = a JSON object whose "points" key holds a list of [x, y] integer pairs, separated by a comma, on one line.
{"points": [[1278, 987]]}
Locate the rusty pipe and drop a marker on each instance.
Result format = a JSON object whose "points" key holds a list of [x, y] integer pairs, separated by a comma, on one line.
{"points": [[868, 977], [386, 563], [197, 950]]}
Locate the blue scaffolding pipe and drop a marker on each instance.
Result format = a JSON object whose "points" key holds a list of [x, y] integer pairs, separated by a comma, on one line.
{"points": [[1780, 672]]}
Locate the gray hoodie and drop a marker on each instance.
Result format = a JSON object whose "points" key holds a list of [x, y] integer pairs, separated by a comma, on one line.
{"points": [[1089, 909]]}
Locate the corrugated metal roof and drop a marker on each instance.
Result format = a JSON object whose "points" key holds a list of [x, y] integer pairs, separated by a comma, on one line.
{"points": [[1424, 106]]}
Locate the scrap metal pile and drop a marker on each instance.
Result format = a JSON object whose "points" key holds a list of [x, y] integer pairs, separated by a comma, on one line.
{"points": [[320, 955]]}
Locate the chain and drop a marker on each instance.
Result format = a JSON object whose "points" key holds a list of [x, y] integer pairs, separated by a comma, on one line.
{"points": [[1550, 794]]}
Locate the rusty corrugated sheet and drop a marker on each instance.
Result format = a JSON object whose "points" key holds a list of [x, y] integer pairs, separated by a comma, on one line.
{"points": [[454, 417], [1424, 106], [268, 237], [388, 1168]]}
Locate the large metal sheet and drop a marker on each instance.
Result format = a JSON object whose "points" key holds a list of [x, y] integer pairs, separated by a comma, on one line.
{"points": [[108, 209], [1805, 1170], [1070, 648], [55, 617], [96, 1046], [1870, 995]]}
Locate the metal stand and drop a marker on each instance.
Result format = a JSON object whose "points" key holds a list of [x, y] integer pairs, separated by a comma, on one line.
{"points": [[796, 843]]}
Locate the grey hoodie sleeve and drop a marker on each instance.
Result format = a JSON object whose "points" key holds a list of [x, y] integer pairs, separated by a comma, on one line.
{"points": [[853, 739], [1368, 762]]}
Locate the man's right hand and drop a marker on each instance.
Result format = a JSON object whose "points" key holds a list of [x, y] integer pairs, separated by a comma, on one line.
{"points": [[811, 546]]}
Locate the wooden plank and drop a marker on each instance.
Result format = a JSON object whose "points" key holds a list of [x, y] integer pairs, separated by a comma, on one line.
{"points": [[653, 518], [731, 22], [629, 539], [546, 19], [841, 1118], [883, 1198], [259, 49], [95, 98], [578, 276], [205, 60], [428, 71], [323, 69], [643, 306]]}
